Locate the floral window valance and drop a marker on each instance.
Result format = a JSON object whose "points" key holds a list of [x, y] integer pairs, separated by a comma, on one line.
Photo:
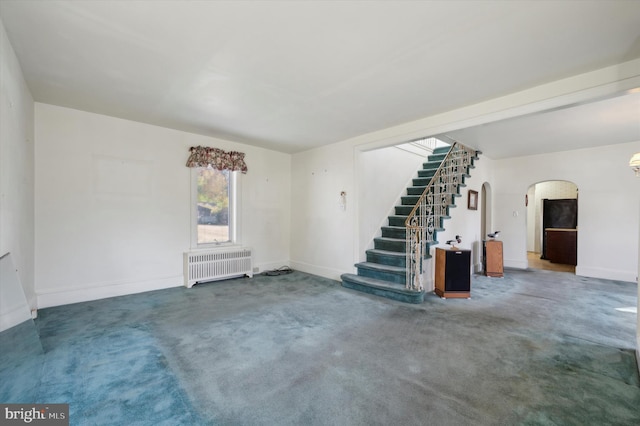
{"points": [[202, 156]]}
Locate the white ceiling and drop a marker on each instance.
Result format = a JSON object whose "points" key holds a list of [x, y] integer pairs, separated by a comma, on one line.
{"points": [[603, 122], [291, 75]]}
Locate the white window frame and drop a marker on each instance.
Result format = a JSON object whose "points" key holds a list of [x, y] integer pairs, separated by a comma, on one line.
{"points": [[234, 208]]}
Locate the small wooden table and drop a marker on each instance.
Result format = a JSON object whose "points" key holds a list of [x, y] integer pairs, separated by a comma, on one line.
{"points": [[492, 261]]}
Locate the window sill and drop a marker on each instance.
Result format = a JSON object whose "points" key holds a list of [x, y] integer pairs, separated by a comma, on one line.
{"points": [[216, 246]]}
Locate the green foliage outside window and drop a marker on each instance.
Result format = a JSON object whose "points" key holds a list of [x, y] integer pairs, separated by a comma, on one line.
{"points": [[213, 192]]}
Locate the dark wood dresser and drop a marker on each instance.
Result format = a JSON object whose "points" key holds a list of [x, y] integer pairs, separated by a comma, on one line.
{"points": [[562, 245]]}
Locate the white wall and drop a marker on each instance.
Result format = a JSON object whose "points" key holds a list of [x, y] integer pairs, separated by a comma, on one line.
{"points": [[14, 308], [16, 168], [113, 205], [465, 222], [382, 178], [323, 239], [607, 207], [533, 244]]}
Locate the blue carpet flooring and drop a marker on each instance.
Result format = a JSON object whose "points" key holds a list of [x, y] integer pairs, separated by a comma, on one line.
{"points": [[533, 348]]}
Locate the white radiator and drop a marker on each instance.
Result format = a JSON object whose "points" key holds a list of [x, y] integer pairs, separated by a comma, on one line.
{"points": [[216, 264]]}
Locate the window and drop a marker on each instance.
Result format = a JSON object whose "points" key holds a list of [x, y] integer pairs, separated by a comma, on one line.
{"points": [[214, 206], [214, 187]]}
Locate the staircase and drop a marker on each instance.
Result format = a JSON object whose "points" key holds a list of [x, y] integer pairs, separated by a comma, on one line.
{"points": [[412, 229]]}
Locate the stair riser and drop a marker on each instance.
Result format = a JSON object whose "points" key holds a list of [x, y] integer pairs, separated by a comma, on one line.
{"points": [[400, 220], [429, 169], [393, 233], [417, 298], [381, 275], [403, 210], [442, 150], [425, 176], [409, 200], [425, 181], [397, 246], [382, 259], [406, 210], [415, 190], [436, 157], [397, 220], [426, 173]]}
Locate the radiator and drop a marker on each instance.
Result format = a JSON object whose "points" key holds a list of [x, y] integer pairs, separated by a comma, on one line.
{"points": [[216, 264]]}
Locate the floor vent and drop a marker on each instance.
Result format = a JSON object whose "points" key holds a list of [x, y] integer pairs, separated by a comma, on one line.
{"points": [[216, 264]]}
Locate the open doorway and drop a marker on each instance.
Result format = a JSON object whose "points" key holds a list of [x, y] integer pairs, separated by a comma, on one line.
{"points": [[486, 225], [552, 225], [485, 212]]}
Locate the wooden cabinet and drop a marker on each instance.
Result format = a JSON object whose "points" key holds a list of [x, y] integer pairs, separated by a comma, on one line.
{"points": [[492, 261], [453, 273], [562, 245], [558, 215]]}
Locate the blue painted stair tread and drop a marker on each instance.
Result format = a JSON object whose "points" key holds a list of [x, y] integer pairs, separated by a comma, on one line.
{"points": [[394, 274], [386, 257]]}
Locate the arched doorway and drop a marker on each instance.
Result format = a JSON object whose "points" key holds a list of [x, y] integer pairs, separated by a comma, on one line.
{"points": [[485, 214], [552, 231], [486, 226]]}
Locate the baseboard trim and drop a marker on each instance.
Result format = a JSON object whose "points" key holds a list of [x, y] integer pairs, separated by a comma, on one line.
{"points": [[516, 264], [607, 274], [330, 273], [269, 266], [47, 299], [13, 317], [429, 285]]}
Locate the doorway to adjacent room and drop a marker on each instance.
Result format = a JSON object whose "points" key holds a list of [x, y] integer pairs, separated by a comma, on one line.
{"points": [[552, 225]]}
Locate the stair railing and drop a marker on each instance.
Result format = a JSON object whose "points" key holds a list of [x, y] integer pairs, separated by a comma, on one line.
{"points": [[432, 206]]}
